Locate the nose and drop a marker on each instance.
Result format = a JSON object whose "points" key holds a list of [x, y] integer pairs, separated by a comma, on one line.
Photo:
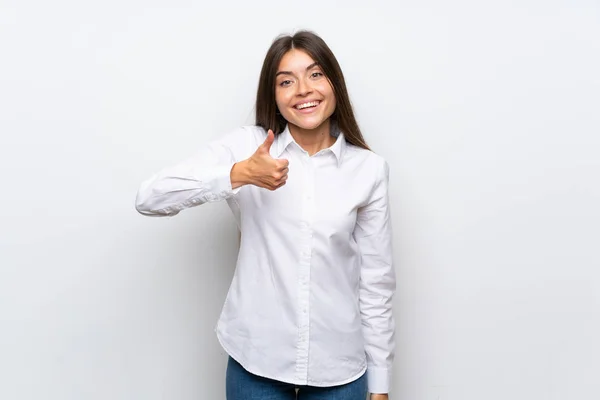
{"points": [[304, 87]]}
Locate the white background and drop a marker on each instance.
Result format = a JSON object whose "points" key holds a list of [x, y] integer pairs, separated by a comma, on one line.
{"points": [[488, 113]]}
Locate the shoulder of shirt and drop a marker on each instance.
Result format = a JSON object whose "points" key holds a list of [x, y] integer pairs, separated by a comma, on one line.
{"points": [[367, 156], [255, 131], [252, 130], [245, 135]]}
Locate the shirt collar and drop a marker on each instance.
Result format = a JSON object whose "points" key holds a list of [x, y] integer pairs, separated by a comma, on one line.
{"points": [[283, 140]]}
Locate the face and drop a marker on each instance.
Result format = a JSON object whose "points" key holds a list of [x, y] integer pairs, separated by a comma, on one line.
{"points": [[303, 93]]}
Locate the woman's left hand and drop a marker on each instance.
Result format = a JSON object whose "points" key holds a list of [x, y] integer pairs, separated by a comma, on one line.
{"points": [[379, 396]]}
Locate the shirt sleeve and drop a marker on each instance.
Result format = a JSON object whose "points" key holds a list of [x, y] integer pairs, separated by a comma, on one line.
{"points": [[202, 178], [373, 234]]}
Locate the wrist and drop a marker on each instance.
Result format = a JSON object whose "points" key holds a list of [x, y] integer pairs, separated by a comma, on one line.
{"points": [[239, 174], [382, 396]]}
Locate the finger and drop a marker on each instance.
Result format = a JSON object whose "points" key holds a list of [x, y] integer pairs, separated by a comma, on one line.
{"points": [[283, 163], [280, 180], [277, 176], [285, 171], [266, 146]]}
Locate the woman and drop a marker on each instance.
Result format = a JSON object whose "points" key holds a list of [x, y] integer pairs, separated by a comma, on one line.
{"points": [[309, 311]]}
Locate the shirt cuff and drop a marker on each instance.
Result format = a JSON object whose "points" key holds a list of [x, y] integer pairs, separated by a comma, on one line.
{"points": [[222, 183], [378, 380]]}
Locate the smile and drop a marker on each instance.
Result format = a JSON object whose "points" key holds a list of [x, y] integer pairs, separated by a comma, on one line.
{"points": [[307, 108], [309, 104]]}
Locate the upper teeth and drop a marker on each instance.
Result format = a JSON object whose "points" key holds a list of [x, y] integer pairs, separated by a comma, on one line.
{"points": [[310, 104]]}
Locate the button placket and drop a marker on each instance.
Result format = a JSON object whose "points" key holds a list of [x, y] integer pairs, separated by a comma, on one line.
{"points": [[305, 249]]}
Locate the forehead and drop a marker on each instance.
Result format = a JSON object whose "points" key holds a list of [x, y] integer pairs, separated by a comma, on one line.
{"points": [[295, 60]]}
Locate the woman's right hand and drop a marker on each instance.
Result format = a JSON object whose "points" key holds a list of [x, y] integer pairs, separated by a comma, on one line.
{"points": [[261, 169]]}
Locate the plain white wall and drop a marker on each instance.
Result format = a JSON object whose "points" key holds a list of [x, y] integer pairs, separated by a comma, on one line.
{"points": [[488, 113]]}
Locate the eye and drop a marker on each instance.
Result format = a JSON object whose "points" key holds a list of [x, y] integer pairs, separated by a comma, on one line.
{"points": [[316, 74], [285, 83]]}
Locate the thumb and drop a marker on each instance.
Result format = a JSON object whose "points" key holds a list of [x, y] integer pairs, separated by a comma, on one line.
{"points": [[266, 146]]}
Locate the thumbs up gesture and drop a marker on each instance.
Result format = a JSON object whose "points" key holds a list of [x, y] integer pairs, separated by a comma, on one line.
{"points": [[261, 169]]}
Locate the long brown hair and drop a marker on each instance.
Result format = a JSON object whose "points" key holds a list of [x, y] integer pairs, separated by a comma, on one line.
{"points": [[267, 116]]}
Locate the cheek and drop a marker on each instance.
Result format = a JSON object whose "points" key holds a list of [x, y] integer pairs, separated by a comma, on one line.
{"points": [[332, 101], [327, 90], [278, 99], [281, 97]]}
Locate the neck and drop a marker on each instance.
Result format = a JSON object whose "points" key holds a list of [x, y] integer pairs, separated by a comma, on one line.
{"points": [[313, 140]]}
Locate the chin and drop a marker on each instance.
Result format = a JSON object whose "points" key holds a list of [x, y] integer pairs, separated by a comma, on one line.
{"points": [[308, 125]]}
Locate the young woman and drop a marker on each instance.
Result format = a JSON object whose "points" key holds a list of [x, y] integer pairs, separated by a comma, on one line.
{"points": [[309, 310]]}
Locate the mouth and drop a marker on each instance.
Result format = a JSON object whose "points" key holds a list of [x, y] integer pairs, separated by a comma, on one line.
{"points": [[307, 107]]}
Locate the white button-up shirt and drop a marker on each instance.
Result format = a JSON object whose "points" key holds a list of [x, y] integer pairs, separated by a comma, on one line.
{"points": [[311, 298]]}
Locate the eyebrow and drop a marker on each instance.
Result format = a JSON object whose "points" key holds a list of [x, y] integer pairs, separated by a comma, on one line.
{"points": [[311, 66]]}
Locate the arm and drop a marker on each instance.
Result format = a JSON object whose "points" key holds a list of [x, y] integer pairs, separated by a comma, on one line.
{"points": [[216, 172], [373, 234], [205, 177]]}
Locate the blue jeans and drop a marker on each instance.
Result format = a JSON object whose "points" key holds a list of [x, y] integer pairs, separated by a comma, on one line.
{"points": [[242, 385]]}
